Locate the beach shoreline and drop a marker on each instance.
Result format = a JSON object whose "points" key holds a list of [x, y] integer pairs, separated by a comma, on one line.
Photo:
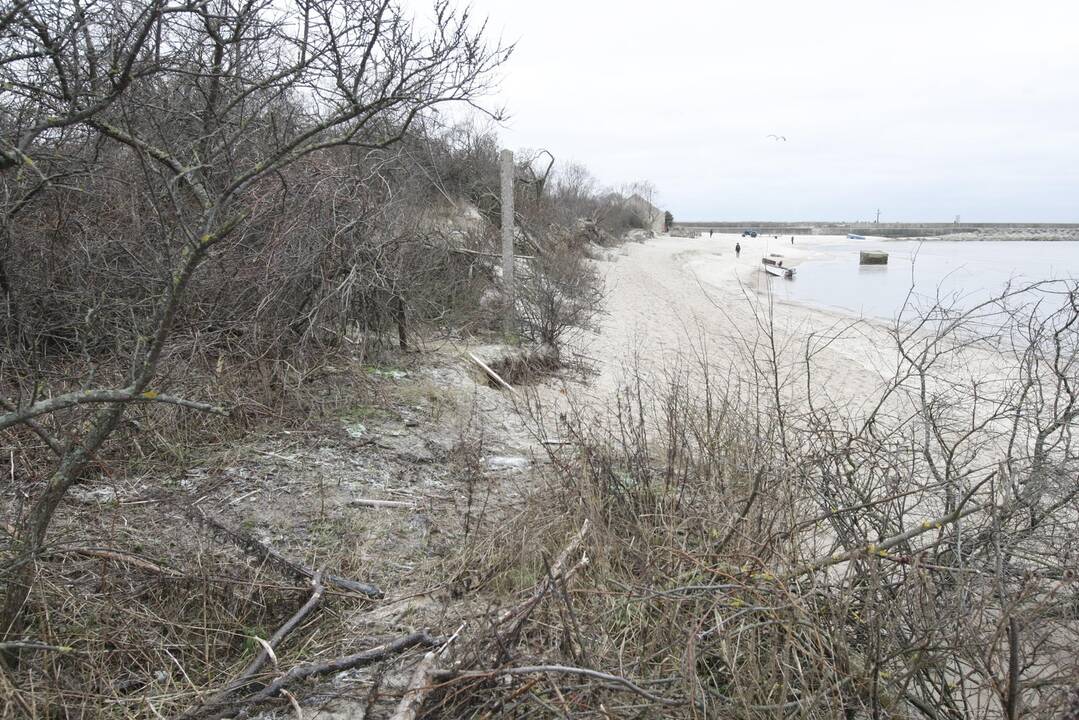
{"points": [[672, 299]]}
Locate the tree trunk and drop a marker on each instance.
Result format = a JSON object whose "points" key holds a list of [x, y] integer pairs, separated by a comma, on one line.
{"points": [[399, 316], [31, 536]]}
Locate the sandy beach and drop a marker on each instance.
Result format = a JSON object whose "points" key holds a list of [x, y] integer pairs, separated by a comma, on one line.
{"points": [[677, 298]]}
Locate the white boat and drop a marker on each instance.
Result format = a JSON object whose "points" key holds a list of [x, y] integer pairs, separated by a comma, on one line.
{"points": [[779, 272], [773, 265]]}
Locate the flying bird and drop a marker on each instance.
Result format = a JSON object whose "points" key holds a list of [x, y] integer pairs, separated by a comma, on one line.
{"points": [[778, 138]]}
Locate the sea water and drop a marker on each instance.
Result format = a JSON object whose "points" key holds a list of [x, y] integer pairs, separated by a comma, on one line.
{"points": [[958, 274]]}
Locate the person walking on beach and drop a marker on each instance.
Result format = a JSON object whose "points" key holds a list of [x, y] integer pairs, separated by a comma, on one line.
{"points": [[738, 249], [709, 232], [792, 239]]}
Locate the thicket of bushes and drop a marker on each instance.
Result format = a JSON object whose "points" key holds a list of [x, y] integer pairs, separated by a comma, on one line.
{"points": [[200, 200]]}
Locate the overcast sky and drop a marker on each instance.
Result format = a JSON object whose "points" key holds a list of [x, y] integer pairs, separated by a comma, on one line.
{"points": [[924, 109]]}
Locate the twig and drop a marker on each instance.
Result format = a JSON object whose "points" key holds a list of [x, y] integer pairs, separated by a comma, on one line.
{"points": [[292, 701], [241, 497], [55, 445], [883, 545]]}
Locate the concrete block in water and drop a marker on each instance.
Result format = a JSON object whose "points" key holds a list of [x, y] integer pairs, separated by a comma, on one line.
{"points": [[873, 257]]}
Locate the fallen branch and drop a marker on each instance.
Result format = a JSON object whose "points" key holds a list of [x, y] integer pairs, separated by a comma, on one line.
{"points": [[268, 647], [421, 684], [423, 678], [120, 557], [492, 374], [266, 553], [369, 502], [33, 645], [103, 554], [360, 659]]}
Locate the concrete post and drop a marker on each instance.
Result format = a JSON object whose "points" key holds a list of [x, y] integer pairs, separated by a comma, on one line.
{"points": [[510, 324]]}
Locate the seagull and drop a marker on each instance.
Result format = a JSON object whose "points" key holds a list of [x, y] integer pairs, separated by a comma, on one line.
{"points": [[779, 137]]}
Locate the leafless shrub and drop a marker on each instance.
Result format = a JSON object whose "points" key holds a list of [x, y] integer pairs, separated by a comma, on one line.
{"points": [[560, 294], [756, 549]]}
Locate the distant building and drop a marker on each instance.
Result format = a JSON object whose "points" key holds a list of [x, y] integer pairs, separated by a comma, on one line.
{"points": [[652, 217]]}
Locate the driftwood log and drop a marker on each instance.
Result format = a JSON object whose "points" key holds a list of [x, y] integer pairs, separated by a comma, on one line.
{"points": [[504, 364]]}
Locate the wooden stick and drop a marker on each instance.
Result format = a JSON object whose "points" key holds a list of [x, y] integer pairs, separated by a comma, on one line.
{"points": [[381, 503], [466, 251], [121, 557], [494, 376]]}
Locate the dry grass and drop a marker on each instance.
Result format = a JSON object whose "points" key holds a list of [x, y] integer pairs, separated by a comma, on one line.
{"points": [[701, 551], [137, 611], [743, 562]]}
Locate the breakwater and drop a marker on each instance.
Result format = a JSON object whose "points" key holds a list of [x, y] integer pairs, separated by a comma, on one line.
{"points": [[888, 230]]}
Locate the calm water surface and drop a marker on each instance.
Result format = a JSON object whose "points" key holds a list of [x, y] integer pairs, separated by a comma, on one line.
{"points": [[970, 271]]}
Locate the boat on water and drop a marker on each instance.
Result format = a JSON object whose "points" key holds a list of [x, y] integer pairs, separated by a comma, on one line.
{"points": [[779, 272], [773, 265], [853, 236]]}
